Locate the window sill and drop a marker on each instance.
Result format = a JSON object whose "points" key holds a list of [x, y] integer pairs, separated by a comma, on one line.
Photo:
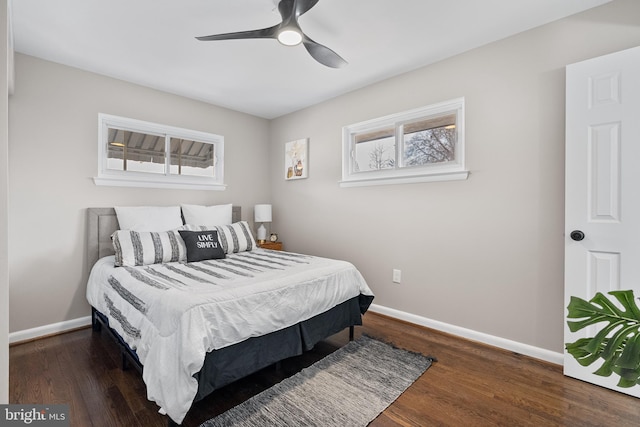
{"points": [[128, 182], [445, 176]]}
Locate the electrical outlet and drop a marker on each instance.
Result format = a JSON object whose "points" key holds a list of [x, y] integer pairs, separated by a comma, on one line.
{"points": [[397, 276]]}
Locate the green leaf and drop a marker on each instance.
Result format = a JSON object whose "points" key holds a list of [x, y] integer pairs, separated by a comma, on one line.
{"points": [[606, 369], [607, 306], [585, 358], [579, 308], [626, 383], [628, 377], [629, 358], [596, 342], [576, 326], [627, 299], [617, 342]]}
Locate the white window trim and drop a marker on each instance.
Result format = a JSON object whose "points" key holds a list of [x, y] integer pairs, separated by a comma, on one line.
{"points": [[107, 177], [449, 171]]}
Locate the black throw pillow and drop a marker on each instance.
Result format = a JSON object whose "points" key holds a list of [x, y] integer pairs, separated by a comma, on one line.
{"points": [[202, 245]]}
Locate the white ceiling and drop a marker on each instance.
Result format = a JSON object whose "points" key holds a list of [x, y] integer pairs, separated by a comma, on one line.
{"points": [[151, 42]]}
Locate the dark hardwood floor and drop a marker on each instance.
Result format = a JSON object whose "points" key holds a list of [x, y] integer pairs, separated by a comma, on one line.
{"points": [[470, 385]]}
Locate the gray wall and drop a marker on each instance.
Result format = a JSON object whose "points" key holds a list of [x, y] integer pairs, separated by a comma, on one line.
{"points": [[53, 154], [5, 63], [486, 253]]}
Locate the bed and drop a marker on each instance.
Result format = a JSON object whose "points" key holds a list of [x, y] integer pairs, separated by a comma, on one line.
{"points": [[193, 327]]}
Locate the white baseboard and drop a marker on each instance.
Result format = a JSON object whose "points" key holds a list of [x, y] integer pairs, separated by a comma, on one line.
{"points": [[42, 331], [525, 349]]}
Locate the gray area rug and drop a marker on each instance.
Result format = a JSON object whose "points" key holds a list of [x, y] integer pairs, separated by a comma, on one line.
{"points": [[348, 388]]}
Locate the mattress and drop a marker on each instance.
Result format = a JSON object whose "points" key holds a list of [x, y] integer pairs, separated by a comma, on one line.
{"points": [[172, 314]]}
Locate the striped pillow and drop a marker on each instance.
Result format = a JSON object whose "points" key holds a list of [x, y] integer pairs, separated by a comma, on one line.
{"points": [[234, 238], [134, 248]]}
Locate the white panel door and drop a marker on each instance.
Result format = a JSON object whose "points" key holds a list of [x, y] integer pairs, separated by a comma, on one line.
{"points": [[602, 189]]}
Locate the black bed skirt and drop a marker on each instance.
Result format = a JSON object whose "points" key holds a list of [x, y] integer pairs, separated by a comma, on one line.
{"points": [[226, 365], [231, 363]]}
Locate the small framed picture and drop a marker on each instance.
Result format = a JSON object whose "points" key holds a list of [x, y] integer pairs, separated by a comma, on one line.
{"points": [[296, 159]]}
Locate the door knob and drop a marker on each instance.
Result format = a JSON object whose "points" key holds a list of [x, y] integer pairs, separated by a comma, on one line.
{"points": [[577, 235]]}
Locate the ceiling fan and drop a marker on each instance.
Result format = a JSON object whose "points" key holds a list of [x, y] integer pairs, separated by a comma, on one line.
{"points": [[289, 33]]}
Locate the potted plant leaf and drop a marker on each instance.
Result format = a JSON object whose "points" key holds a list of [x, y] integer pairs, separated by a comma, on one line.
{"points": [[617, 343]]}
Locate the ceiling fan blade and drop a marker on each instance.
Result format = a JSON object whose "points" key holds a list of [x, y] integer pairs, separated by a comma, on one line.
{"points": [[290, 10], [286, 9], [265, 33], [323, 54], [303, 6]]}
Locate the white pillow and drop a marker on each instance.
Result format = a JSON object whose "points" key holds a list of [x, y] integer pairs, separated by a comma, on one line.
{"points": [[236, 237], [149, 218], [134, 248], [210, 216]]}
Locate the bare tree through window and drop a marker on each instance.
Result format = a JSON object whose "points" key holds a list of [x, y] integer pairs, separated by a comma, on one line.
{"points": [[380, 158], [430, 146]]}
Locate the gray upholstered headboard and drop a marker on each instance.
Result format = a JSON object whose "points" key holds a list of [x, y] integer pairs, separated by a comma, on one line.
{"points": [[103, 222]]}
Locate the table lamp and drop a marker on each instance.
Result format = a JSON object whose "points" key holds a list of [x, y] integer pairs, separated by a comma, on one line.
{"points": [[262, 214]]}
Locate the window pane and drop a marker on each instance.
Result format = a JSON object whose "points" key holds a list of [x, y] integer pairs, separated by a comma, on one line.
{"points": [[374, 150], [192, 158], [430, 141], [135, 151], [420, 145]]}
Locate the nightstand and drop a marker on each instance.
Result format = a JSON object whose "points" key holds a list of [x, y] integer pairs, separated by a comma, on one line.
{"points": [[274, 246]]}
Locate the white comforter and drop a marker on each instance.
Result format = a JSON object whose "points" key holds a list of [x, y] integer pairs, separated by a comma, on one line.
{"points": [[173, 314]]}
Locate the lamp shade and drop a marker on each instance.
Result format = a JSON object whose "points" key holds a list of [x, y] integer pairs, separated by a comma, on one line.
{"points": [[262, 213]]}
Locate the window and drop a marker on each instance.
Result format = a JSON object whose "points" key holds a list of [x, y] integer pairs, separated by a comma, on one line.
{"points": [[426, 144], [143, 154]]}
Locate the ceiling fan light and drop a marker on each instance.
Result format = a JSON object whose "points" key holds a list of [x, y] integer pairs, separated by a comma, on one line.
{"points": [[289, 37]]}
